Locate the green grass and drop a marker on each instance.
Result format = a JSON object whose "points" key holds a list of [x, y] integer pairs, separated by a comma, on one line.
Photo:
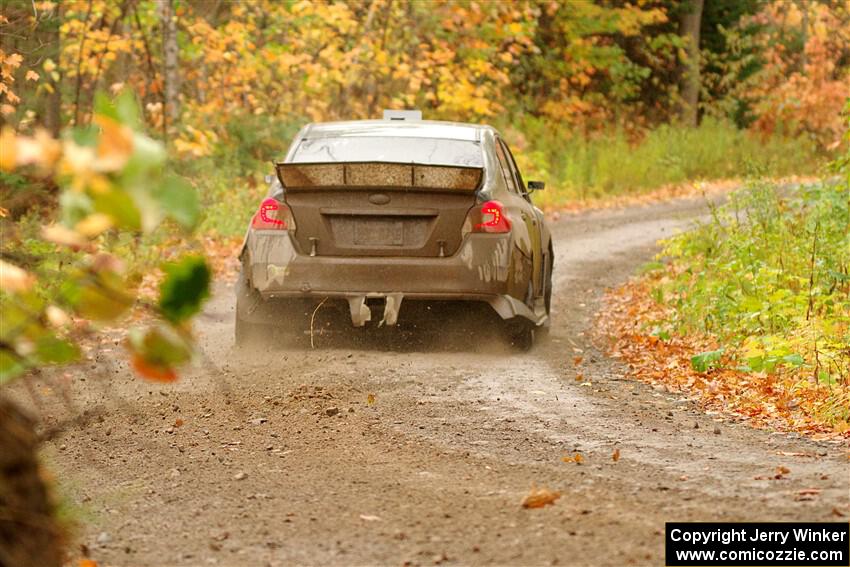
{"points": [[576, 168]]}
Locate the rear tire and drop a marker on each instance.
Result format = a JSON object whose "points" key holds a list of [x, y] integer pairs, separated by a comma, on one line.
{"points": [[543, 330], [246, 333], [519, 334]]}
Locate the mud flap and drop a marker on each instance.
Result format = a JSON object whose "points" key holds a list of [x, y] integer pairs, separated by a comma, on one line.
{"points": [[391, 309], [360, 312], [509, 307]]}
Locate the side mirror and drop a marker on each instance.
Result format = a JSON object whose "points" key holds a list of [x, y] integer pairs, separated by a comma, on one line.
{"points": [[535, 186]]}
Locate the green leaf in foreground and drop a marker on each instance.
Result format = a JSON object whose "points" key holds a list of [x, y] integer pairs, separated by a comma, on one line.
{"points": [[703, 361], [179, 200], [185, 288], [158, 351]]}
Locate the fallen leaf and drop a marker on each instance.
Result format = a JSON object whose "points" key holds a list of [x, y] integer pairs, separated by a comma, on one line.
{"points": [[87, 563], [577, 360], [540, 497], [577, 458], [782, 470], [793, 454], [370, 399], [616, 455], [178, 422], [809, 491], [579, 377]]}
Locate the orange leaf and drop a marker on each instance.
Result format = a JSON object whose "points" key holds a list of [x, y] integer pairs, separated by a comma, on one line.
{"points": [[85, 562], [153, 372], [540, 497], [616, 455]]}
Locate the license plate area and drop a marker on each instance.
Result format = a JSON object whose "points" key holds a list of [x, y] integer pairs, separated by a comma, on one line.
{"points": [[378, 232]]}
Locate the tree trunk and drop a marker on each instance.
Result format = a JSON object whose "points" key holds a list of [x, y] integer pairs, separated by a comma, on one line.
{"points": [[29, 534], [689, 84], [170, 57], [53, 103]]}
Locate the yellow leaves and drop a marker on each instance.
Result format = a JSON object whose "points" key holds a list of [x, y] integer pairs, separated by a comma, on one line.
{"points": [[195, 142], [115, 145], [540, 497], [19, 151], [8, 149], [94, 224], [64, 236], [14, 279], [576, 458], [57, 318]]}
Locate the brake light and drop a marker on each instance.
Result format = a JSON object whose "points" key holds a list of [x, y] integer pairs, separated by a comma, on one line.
{"points": [[492, 218], [272, 215]]}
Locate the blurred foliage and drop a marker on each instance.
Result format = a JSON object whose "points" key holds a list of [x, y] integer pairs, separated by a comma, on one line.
{"points": [[61, 278]]}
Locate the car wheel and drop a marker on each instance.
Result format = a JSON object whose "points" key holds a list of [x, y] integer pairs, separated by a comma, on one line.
{"points": [[543, 330], [519, 334], [245, 332], [547, 286]]}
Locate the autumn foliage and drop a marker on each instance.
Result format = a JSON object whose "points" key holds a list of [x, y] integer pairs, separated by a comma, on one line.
{"points": [[750, 313]]}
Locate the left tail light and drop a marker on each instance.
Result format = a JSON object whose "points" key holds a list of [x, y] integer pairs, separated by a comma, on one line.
{"points": [[272, 215], [490, 217]]}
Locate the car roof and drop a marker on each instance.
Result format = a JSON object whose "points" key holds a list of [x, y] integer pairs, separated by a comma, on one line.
{"points": [[396, 129]]}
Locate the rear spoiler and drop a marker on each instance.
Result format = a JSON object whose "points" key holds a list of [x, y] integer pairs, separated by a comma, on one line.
{"points": [[378, 174]]}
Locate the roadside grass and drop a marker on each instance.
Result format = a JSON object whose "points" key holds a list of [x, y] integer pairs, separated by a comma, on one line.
{"points": [[751, 310], [580, 169]]}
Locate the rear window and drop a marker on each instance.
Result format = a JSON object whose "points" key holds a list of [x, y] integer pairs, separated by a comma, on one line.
{"points": [[428, 151]]}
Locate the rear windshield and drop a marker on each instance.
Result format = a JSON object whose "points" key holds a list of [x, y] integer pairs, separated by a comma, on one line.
{"points": [[428, 151]]}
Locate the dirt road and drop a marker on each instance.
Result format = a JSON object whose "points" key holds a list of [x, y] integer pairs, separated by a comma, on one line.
{"points": [[277, 458]]}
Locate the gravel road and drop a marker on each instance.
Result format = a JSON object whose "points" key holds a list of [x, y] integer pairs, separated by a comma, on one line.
{"points": [[278, 458]]}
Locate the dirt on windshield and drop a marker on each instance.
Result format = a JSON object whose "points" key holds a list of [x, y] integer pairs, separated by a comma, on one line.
{"points": [[394, 452]]}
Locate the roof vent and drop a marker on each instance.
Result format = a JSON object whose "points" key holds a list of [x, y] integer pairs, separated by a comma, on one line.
{"points": [[406, 115]]}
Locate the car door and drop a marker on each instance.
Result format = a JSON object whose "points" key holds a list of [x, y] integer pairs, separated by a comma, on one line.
{"points": [[528, 212]]}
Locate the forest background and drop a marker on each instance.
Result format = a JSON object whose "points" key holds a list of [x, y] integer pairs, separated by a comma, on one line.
{"points": [[597, 98]]}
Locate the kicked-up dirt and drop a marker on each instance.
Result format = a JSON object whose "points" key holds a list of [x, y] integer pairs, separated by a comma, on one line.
{"points": [[391, 454]]}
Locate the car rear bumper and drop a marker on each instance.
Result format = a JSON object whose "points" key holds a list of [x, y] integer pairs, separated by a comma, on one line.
{"points": [[480, 270]]}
